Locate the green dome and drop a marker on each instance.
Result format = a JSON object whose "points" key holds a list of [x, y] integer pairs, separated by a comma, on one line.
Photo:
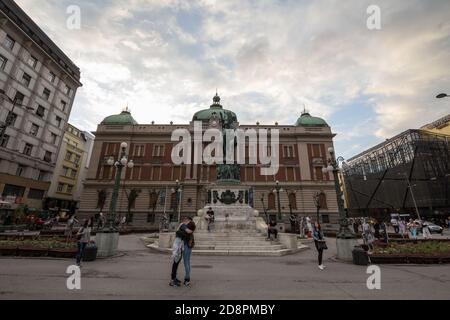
{"points": [[123, 118], [206, 115], [307, 120]]}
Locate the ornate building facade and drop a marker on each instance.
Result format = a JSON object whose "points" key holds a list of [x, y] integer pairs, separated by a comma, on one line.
{"points": [[155, 186]]}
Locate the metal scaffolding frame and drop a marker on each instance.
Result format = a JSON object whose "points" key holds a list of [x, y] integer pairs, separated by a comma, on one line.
{"points": [[414, 165]]}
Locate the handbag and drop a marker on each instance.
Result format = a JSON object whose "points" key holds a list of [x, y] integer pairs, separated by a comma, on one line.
{"points": [[322, 245]]}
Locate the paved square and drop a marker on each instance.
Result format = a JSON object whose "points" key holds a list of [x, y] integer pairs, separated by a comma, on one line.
{"points": [[142, 274]]}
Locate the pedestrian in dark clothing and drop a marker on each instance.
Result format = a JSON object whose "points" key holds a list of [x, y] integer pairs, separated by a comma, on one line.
{"points": [[320, 243], [83, 237]]}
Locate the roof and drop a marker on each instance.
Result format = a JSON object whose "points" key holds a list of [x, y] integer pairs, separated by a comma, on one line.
{"points": [[123, 118], [307, 120]]}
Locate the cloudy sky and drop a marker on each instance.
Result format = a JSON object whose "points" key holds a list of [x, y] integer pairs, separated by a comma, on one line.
{"points": [[165, 58]]}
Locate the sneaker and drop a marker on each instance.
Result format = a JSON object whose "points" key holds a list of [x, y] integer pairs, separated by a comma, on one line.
{"points": [[174, 283], [321, 267], [187, 283]]}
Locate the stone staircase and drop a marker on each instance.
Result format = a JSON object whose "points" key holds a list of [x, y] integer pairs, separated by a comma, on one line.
{"points": [[237, 243]]}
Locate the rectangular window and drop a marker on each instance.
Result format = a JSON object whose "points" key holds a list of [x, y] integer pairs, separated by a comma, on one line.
{"points": [[158, 151], [77, 159], [58, 121], [53, 138], [288, 151], [67, 90], [46, 94], [42, 175], [34, 129], [9, 42], [68, 156], [325, 218], [51, 77], [27, 149], [318, 173], [26, 80], [316, 150], [3, 62], [60, 187], [65, 171], [40, 111], [36, 194], [48, 156], [20, 170], [139, 151], [12, 190], [4, 141], [32, 62], [69, 188], [73, 174], [18, 98], [63, 105], [11, 119]]}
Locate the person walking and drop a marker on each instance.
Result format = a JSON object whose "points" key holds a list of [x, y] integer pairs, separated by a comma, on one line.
{"points": [[355, 226], [425, 231], [83, 237], [320, 243], [402, 227]]}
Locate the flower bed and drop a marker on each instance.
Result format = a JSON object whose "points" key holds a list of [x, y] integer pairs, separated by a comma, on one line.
{"points": [[422, 252], [38, 248]]}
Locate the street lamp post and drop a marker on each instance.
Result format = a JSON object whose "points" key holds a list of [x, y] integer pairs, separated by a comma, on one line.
{"points": [[277, 189], [178, 192], [108, 238], [317, 203], [410, 187], [345, 239]]}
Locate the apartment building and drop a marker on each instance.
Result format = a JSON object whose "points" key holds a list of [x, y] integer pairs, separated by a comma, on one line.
{"points": [[38, 83]]}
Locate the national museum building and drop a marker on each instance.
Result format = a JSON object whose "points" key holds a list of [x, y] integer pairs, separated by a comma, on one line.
{"points": [[155, 187]]}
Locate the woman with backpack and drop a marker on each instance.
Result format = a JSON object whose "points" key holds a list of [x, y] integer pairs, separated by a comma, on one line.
{"points": [[320, 243], [83, 238]]}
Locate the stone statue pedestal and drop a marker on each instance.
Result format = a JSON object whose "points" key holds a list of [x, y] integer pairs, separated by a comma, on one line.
{"points": [[232, 211]]}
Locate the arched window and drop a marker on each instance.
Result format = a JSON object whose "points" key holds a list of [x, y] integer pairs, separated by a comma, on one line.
{"points": [[173, 201], [271, 201], [293, 201]]}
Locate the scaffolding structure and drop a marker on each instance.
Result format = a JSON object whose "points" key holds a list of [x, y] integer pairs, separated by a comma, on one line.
{"points": [[408, 173]]}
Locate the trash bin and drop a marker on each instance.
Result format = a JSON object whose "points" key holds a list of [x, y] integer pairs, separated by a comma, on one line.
{"points": [[90, 252], [360, 256]]}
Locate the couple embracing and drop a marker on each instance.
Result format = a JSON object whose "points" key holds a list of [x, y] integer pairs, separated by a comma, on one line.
{"points": [[182, 249]]}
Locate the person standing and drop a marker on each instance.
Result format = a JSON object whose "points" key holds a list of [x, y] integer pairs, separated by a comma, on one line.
{"points": [[412, 227], [189, 244], [83, 237], [367, 234], [394, 223], [402, 227], [308, 227], [293, 221], [209, 218], [69, 227], [101, 221], [177, 252], [320, 243], [355, 226]]}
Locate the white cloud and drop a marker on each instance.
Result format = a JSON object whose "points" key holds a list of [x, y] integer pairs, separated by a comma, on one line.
{"points": [[266, 58]]}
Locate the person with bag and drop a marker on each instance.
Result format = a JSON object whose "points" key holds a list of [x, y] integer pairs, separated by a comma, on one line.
{"points": [[320, 243], [83, 237]]}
